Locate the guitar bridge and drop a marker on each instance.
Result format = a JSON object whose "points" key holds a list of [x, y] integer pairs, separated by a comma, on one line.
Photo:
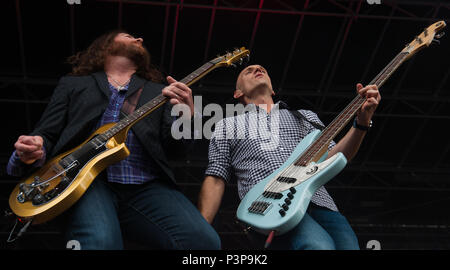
{"points": [[259, 207]]}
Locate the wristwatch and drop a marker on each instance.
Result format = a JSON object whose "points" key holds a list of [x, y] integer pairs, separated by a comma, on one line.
{"points": [[361, 127]]}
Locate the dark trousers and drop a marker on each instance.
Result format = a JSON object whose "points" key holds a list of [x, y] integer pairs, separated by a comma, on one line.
{"points": [[154, 215], [319, 229]]}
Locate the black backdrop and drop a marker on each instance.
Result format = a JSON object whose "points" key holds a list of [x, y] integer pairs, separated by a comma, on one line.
{"points": [[395, 191]]}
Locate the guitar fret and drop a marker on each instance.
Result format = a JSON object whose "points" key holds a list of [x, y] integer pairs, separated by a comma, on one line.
{"points": [[197, 73]]}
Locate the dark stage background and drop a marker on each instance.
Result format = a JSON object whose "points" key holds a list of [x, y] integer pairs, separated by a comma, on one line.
{"points": [[397, 189]]}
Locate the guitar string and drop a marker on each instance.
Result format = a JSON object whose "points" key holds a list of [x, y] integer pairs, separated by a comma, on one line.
{"points": [[136, 115], [120, 125], [292, 169], [352, 106]]}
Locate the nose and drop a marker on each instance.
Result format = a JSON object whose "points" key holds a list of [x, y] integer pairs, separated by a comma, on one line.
{"points": [[140, 40], [258, 68]]}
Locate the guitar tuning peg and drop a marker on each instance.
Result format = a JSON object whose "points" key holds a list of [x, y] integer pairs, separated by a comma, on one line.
{"points": [[436, 41], [441, 34], [233, 65]]}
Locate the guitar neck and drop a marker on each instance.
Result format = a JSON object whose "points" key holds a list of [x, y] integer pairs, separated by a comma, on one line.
{"points": [[155, 103], [320, 146]]}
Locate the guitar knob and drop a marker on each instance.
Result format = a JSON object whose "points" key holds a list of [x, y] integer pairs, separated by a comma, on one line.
{"points": [[21, 197], [285, 207], [292, 190], [287, 201], [282, 212], [290, 196]]}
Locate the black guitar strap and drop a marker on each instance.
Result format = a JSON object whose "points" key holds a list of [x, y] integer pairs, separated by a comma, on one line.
{"points": [[129, 104]]}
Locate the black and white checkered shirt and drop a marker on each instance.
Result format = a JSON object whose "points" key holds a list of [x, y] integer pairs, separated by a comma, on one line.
{"points": [[236, 151]]}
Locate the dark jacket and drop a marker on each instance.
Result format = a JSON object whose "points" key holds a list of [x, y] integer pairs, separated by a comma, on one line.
{"points": [[77, 106]]}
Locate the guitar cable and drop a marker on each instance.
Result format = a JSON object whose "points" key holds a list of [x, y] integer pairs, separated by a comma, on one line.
{"points": [[21, 231], [269, 239]]}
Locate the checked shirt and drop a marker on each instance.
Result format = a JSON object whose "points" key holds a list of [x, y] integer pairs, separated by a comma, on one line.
{"points": [[247, 152]]}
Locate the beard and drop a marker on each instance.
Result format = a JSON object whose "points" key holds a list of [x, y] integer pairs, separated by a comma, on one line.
{"points": [[137, 54]]}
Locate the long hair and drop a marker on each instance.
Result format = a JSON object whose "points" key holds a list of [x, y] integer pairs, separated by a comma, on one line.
{"points": [[93, 59]]}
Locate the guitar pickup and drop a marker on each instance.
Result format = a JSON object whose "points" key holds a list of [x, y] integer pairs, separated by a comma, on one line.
{"points": [[272, 195], [288, 180]]}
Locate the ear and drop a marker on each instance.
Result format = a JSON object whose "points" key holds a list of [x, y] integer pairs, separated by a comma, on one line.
{"points": [[237, 94]]}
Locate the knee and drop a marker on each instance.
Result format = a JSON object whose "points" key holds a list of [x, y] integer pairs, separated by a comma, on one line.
{"points": [[93, 240], [213, 241], [206, 238], [317, 245]]}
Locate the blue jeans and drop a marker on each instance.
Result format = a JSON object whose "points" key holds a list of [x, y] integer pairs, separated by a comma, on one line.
{"points": [[320, 229], [153, 215]]}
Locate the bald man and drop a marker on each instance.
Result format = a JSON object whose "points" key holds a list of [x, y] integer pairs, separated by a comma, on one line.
{"points": [[249, 160]]}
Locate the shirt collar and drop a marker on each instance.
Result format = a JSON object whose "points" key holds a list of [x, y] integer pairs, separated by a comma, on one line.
{"points": [[123, 90], [251, 107], [283, 105]]}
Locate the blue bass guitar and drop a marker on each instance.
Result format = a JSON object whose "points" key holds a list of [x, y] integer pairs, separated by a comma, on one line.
{"points": [[278, 202]]}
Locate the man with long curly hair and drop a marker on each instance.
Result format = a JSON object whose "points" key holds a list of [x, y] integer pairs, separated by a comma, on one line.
{"points": [[138, 196]]}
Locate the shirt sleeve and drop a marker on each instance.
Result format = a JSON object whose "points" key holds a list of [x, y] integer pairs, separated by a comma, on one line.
{"points": [[219, 155], [54, 118], [16, 167]]}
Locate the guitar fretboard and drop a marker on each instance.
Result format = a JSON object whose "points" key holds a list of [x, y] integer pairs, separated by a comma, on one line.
{"points": [[346, 115]]}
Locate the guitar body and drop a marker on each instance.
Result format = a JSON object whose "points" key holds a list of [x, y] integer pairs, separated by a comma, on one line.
{"points": [[261, 206], [86, 162]]}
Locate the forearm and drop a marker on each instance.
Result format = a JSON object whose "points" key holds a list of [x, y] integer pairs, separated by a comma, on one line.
{"points": [[349, 144], [210, 197]]}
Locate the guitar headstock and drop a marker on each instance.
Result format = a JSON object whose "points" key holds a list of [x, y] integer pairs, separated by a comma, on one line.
{"points": [[232, 58], [429, 35]]}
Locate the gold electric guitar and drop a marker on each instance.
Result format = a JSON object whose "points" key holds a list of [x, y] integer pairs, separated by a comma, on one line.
{"points": [[63, 180]]}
